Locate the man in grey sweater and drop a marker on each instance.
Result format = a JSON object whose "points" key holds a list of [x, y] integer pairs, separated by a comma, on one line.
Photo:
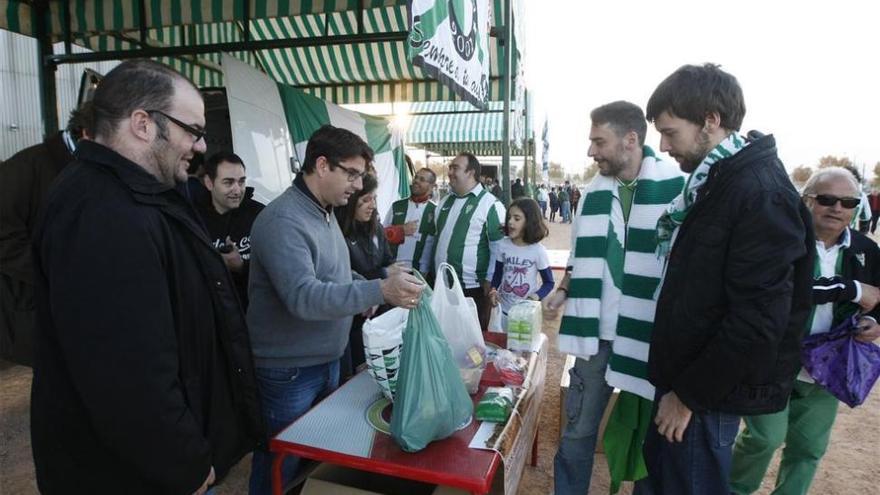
{"points": [[302, 291]]}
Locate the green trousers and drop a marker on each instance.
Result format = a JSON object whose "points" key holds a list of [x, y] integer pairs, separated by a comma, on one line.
{"points": [[804, 426]]}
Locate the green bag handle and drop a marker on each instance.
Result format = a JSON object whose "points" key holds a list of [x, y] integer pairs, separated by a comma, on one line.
{"points": [[427, 290]]}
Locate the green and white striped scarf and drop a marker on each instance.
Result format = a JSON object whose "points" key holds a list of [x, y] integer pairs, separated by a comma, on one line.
{"points": [[601, 295], [678, 209]]}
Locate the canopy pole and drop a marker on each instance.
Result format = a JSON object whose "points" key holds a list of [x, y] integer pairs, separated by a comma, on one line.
{"points": [[68, 48], [527, 143], [46, 69], [142, 21], [505, 92], [527, 179]]}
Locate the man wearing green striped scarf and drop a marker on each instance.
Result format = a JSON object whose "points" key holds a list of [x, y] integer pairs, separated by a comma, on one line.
{"points": [[736, 292], [608, 291]]}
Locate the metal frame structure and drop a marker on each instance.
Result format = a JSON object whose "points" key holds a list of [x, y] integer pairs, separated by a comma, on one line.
{"points": [[40, 11]]}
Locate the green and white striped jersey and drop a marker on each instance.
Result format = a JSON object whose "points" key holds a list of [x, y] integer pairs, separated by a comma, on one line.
{"points": [[416, 248], [468, 230]]}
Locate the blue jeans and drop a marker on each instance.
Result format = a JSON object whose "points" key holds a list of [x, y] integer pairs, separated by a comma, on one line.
{"points": [[585, 402], [286, 394], [566, 211], [700, 463]]}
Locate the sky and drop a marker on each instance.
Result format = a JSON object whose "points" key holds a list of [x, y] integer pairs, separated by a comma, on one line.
{"points": [[810, 71]]}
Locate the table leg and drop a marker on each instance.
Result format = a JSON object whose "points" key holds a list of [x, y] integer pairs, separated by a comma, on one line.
{"points": [[534, 461], [277, 482]]}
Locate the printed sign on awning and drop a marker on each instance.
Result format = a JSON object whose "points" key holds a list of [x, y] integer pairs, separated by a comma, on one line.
{"points": [[449, 39]]}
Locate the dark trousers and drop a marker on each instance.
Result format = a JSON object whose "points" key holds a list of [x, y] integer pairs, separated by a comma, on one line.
{"points": [[874, 216], [354, 355], [700, 463], [16, 320], [484, 306]]}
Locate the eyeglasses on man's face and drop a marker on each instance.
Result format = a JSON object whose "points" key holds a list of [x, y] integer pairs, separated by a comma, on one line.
{"points": [[196, 132], [353, 174]]}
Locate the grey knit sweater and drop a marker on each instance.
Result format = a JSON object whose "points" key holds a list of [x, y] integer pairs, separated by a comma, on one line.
{"points": [[302, 296]]}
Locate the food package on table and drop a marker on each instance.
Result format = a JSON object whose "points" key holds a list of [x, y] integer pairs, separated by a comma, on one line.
{"points": [[495, 405], [511, 367], [524, 325], [383, 340], [461, 326]]}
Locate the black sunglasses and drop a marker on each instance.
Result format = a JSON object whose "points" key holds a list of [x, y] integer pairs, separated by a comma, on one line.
{"points": [[829, 200], [195, 131]]}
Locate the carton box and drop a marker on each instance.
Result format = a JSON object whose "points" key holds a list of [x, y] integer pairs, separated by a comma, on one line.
{"points": [[329, 479]]}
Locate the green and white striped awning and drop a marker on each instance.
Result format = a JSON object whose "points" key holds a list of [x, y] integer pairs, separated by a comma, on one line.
{"points": [[450, 127], [355, 72]]}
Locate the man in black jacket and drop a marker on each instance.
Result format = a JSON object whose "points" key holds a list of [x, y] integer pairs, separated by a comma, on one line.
{"points": [[229, 212], [736, 294], [24, 183], [143, 374]]}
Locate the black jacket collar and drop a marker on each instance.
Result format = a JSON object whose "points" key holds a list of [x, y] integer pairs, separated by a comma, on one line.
{"points": [[131, 174], [760, 148]]}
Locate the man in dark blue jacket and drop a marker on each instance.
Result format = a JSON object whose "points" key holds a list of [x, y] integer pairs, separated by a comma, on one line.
{"points": [[736, 293]]}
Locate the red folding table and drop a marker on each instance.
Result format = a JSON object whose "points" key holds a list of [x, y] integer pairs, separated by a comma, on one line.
{"points": [[337, 431]]}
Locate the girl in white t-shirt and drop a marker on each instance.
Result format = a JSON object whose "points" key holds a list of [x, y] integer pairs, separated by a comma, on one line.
{"points": [[521, 258]]}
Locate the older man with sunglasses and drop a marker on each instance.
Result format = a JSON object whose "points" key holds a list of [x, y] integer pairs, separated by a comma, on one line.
{"points": [[846, 278]]}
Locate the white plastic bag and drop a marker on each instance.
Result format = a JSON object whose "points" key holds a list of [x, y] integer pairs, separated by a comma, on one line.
{"points": [[383, 340], [495, 320], [460, 323]]}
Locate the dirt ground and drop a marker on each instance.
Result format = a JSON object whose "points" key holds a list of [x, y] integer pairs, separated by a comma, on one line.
{"points": [[851, 465]]}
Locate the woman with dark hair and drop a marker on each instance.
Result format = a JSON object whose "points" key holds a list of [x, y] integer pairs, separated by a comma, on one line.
{"points": [[370, 257]]}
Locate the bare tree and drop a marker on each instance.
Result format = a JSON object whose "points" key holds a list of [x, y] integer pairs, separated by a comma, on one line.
{"points": [[834, 161], [591, 171], [800, 175]]}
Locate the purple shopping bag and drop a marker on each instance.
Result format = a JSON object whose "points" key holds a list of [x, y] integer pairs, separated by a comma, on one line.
{"points": [[841, 364]]}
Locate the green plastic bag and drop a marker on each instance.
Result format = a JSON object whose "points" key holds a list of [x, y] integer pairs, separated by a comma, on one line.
{"points": [[431, 402]]}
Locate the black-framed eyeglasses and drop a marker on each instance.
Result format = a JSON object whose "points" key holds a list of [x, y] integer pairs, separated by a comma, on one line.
{"points": [[195, 131], [353, 174], [829, 200]]}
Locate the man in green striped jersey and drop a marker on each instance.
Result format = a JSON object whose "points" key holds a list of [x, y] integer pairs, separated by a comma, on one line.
{"points": [[410, 223], [468, 227], [608, 290]]}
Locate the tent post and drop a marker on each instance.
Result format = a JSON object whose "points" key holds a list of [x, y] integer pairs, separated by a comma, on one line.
{"points": [[527, 144], [46, 69], [527, 177], [505, 93]]}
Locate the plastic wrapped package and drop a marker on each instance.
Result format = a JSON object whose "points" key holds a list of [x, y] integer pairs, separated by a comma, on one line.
{"points": [[524, 325], [495, 405]]}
